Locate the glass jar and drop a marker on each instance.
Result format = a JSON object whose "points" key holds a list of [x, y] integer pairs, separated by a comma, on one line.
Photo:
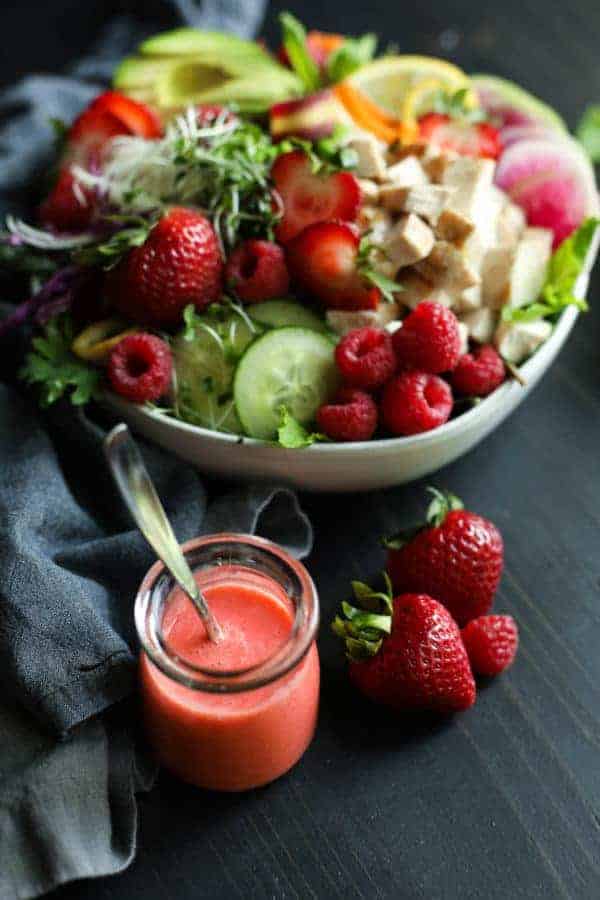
{"points": [[240, 724]]}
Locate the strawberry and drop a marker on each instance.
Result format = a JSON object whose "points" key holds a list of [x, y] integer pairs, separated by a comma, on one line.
{"points": [[491, 643], [323, 261], [466, 138], [457, 557], [308, 197], [70, 207], [179, 263], [405, 652]]}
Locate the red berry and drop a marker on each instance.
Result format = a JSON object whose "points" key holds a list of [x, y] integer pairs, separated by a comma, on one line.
{"points": [[491, 642], [457, 557], [69, 206], [414, 402], [479, 373], [322, 261], [179, 263], [310, 197], [422, 664], [256, 270], [365, 358], [467, 138], [352, 416], [139, 367], [429, 339]]}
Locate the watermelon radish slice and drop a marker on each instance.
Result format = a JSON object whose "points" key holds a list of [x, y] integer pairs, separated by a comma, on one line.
{"points": [[508, 104], [552, 181], [510, 134]]}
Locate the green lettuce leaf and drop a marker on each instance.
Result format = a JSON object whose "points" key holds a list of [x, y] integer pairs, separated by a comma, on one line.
{"points": [[563, 271], [292, 435], [56, 370]]}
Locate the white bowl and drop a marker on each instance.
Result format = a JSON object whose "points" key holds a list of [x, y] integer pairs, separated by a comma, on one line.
{"points": [[354, 466]]}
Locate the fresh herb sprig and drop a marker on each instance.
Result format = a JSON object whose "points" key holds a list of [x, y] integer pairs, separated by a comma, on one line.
{"points": [[564, 269], [458, 105], [55, 369], [367, 255]]}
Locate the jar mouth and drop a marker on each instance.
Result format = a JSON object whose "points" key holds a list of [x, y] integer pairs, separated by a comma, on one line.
{"points": [[245, 554]]}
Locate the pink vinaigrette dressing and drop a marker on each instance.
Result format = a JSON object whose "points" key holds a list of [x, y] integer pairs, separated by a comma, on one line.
{"points": [[237, 714]]}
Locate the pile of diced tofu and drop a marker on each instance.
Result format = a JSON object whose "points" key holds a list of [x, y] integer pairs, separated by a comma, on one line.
{"points": [[450, 235]]}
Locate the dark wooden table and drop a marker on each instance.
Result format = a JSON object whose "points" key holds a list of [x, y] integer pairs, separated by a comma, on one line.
{"points": [[504, 801]]}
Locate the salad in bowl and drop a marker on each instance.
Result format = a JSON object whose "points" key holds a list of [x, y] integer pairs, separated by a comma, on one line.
{"points": [[257, 250]]}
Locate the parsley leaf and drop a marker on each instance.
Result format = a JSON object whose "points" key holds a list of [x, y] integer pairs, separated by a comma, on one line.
{"points": [[292, 435], [588, 132], [53, 366], [563, 271], [294, 41], [350, 56], [367, 251]]}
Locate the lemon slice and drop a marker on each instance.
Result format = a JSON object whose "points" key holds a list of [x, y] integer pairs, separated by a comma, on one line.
{"points": [[389, 81]]}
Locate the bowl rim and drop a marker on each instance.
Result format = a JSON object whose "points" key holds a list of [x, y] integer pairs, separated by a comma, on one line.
{"points": [[535, 365]]}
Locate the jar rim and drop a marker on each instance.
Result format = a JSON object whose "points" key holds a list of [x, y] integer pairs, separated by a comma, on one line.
{"points": [[285, 658]]}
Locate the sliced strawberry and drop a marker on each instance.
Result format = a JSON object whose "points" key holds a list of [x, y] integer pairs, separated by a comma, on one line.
{"points": [[68, 207], [468, 139], [310, 197], [134, 117], [322, 261]]}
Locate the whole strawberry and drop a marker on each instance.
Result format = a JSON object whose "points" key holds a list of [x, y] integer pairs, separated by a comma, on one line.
{"points": [[180, 262], [457, 557], [406, 652]]}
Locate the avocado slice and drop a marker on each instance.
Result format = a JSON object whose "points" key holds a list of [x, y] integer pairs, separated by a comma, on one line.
{"points": [[187, 66]]}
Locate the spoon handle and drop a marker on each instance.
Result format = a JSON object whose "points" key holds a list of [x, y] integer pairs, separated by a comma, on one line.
{"points": [[139, 494]]}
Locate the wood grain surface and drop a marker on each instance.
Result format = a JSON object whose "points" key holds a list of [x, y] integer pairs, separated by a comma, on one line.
{"points": [[502, 802]]}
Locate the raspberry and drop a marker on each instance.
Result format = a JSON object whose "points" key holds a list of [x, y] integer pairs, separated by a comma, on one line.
{"points": [[256, 270], [429, 340], [479, 373], [351, 417], [414, 402], [491, 643], [365, 358], [139, 367]]}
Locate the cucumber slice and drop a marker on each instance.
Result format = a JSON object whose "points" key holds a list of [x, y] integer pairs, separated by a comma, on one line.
{"points": [[283, 313], [204, 360], [291, 367]]}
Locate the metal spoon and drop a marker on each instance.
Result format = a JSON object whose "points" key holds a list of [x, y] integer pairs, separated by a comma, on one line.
{"points": [[140, 495]]}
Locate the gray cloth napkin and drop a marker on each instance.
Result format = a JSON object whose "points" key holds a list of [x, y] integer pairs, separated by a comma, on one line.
{"points": [[70, 564]]}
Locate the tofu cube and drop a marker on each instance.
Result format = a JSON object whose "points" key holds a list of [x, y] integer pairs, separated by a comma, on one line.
{"points": [[463, 333], [371, 158], [425, 200], [447, 267], [369, 190], [435, 164], [511, 224], [416, 289], [342, 321], [471, 179], [408, 241], [515, 341], [407, 173], [516, 276], [481, 324], [453, 227]]}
